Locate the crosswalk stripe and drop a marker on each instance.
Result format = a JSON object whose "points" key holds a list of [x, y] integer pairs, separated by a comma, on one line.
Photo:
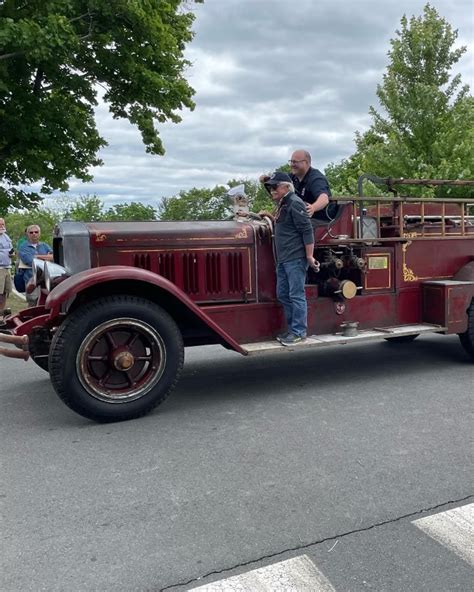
{"points": [[453, 529], [293, 575]]}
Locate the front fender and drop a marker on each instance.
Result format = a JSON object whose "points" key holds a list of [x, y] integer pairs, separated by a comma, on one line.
{"points": [[79, 282]]}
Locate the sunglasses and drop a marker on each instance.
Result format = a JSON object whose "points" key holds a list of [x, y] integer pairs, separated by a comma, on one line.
{"points": [[33, 232]]}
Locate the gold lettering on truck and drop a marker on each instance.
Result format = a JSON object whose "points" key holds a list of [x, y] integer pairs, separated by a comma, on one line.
{"points": [[378, 262]]}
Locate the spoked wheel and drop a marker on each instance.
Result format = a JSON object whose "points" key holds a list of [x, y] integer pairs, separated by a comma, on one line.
{"points": [[467, 338], [116, 358]]}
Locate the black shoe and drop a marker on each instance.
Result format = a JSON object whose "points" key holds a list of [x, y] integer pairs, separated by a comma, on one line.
{"points": [[282, 336], [291, 339]]}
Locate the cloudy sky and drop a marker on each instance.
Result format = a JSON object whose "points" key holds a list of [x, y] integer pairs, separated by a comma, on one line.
{"points": [[270, 76]]}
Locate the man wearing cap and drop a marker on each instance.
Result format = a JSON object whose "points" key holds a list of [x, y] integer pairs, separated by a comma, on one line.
{"points": [[294, 246], [312, 186]]}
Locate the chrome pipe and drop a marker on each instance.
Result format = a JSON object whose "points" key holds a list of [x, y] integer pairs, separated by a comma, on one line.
{"points": [[14, 353], [21, 340]]}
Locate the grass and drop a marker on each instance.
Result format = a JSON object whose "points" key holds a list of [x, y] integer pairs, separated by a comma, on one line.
{"points": [[15, 303]]}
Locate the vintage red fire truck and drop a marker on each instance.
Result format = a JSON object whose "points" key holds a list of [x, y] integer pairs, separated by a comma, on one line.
{"points": [[122, 300]]}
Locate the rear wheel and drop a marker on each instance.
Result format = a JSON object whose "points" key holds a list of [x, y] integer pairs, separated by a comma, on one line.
{"points": [[467, 338], [116, 358]]}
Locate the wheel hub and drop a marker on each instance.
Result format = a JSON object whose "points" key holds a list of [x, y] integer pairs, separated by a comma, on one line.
{"points": [[123, 360]]}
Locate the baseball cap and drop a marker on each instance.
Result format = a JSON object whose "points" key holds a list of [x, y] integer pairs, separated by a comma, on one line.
{"points": [[278, 177]]}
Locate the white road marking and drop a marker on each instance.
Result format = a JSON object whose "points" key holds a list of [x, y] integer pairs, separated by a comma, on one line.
{"points": [[294, 575], [453, 529]]}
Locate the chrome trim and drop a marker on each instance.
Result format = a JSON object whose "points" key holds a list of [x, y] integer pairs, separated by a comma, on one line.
{"points": [[75, 246], [37, 269], [53, 271]]}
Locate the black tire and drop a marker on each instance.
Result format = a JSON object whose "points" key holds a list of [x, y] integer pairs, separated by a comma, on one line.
{"points": [[43, 363], [116, 358], [467, 338], [39, 346], [402, 338]]}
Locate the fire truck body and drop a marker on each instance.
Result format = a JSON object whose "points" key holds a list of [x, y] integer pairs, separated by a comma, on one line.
{"points": [[122, 300]]}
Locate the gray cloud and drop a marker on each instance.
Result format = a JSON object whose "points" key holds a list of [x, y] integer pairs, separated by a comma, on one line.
{"points": [[269, 76]]}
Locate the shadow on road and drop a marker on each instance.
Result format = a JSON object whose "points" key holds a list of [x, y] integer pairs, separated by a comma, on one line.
{"points": [[212, 377]]}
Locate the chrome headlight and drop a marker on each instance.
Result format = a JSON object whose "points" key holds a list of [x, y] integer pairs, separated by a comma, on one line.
{"points": [[37, 268], [53, 274]]}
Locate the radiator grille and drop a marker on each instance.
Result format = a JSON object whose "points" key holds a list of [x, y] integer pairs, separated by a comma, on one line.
{"points": [[190, 273], [142, 260], [213, 273], [166, 266], [234, 269]]}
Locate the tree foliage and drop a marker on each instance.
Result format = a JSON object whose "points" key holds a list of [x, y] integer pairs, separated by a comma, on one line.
{"points": [[425, 128], [211, 204], [88, 208], [17, 221], [130, 212], [53, 56]]}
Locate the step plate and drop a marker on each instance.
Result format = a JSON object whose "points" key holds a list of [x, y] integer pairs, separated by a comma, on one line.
{"points": [[312, 341]]}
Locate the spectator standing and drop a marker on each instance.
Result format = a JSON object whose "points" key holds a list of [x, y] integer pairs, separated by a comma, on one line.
{"points": [[294, 246], [29, 250], [6, 252]]}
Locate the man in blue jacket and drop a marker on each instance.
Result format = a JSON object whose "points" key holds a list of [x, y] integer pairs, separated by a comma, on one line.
{"points": [[29, 250], [294, 245]]}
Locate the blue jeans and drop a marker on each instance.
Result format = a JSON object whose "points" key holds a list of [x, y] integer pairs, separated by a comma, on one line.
{"points": [[291, 276]]}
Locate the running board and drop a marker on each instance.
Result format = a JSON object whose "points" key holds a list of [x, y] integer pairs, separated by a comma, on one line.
{"points": [[312, 341]]}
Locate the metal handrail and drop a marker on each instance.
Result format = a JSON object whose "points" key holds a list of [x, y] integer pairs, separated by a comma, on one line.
{"points": [[400, 217], [390, 182]]}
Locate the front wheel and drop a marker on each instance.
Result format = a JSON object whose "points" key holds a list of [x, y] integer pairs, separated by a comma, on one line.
{"points": [[116, 358], [467, 338], [40, 343]]}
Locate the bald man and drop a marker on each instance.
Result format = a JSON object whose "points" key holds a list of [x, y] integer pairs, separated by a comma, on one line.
{"points": [[312, 186]]}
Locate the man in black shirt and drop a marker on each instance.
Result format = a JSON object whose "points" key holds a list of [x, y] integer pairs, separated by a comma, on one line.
{"points": [[312, 186]]}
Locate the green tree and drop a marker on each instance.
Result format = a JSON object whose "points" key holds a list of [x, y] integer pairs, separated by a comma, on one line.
{"points": [[17, 221], [212, 204], [196, 204], [426, 127], [130, 212], [88, 208], [53, 56]]}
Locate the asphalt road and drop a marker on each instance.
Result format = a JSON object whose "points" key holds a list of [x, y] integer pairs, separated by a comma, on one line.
{"points": [[330, 454]]}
